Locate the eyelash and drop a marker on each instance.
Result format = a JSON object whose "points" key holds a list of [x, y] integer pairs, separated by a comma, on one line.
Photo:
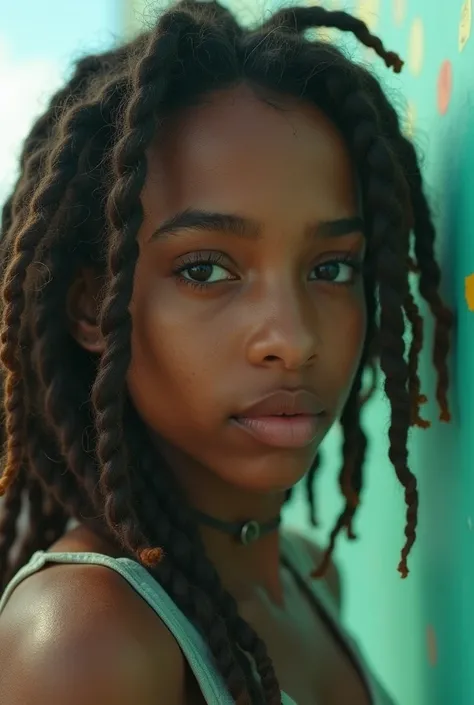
{"points": [[217, 259], [197, 258], [353, 261]]}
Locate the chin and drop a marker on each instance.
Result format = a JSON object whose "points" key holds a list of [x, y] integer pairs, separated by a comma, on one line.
{"points": [[209, 469], [274, 474]]}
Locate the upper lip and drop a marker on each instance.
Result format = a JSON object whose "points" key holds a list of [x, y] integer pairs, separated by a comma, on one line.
{"points": [[285, 402]]}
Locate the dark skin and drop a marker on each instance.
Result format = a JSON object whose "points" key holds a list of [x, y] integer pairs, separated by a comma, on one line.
{"points": [[282, 306]]}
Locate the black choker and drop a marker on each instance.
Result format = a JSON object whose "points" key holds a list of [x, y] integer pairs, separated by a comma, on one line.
{"points": [[245, 532]]}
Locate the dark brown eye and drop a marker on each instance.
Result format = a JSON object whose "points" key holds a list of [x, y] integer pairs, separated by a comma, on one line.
{"points": [[205, 273], [336, 272], [200, 272]]}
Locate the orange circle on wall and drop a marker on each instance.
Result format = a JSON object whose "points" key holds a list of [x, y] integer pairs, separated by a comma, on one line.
{"points": [[445, 86], [431, 645]]}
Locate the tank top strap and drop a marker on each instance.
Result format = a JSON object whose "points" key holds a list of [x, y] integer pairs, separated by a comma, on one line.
{"points": [[297, 556], [190, 641], [188, 638]]}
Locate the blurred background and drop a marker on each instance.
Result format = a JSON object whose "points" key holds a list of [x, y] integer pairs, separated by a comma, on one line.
{"points": [[419, 633]]}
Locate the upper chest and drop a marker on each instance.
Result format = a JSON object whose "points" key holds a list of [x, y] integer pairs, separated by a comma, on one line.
{"points": [[312, 660], [313, 664]]}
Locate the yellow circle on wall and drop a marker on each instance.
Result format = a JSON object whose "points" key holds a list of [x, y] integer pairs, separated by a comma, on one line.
{"points": [[469, 294], [327, 34], [399, 11], [368, 11], [416, 46], [409, 121], [465, 23]]}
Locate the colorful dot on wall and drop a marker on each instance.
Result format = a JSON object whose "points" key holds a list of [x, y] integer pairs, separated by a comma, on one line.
{"points": [[445, 86], [409, 121], [399, 11], [469, 291], [368, 11], [432, 646], [326, 34], [465, 23], [416, 46]]}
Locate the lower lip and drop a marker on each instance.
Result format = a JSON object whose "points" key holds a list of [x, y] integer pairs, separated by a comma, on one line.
{"points": [[282, 431]]}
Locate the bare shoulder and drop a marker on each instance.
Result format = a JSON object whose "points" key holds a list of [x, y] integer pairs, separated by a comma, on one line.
{"points": [[80, 634], [332, 577]]}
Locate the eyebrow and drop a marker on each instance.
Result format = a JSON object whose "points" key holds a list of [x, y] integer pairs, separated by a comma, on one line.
{"points": [[237, 225]]}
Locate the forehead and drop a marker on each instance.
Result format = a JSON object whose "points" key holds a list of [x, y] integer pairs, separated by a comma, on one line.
{"points": [[238, 151]]}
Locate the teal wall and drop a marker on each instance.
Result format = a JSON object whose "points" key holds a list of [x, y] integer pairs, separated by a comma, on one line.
{"points": [[416, 633]]}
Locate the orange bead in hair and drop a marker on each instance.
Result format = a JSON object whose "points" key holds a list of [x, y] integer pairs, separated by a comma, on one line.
{"points": [[150, 557]]}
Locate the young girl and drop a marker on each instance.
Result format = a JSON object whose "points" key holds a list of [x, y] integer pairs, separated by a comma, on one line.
{"points": [[210, 241]]}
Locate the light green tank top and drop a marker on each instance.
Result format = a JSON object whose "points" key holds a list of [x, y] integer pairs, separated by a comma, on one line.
{"points": [[190, 641]]}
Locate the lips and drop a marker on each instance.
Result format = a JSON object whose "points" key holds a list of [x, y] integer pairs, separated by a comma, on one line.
{"points": [[283, 419], [285, 402]]}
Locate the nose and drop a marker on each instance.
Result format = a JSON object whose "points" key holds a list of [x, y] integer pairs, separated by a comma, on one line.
{"points": [[286, 331]]}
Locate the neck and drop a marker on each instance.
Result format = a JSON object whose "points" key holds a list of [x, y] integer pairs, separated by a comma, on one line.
{"points": [[243, 569]]}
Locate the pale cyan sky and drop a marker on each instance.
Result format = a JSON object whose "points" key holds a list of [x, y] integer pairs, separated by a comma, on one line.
{"points": [[38, 42]]}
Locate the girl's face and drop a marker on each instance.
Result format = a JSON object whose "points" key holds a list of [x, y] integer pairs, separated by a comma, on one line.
{"points": [[247, 286]]}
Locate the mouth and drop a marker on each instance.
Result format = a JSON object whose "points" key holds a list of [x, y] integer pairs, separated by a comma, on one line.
{"points": [[282, 430], [285, 418]]}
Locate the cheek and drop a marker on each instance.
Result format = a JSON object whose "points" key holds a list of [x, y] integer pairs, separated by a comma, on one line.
{"points": [[174, 361], [343, 343], [159, 371]]}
